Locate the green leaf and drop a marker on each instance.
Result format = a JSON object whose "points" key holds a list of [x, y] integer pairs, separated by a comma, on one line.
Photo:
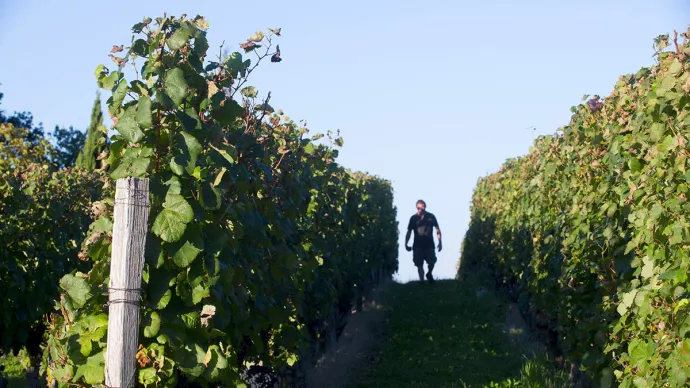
{"points": [[189, 120], [186, 254], [144, 114], [219, 177], [648, 268], [191, 359], [187, 152], [656, 131], [178, 204], [85, 346], [148, 376], [181, 36], [668, 144], [63, 373], [152, 324], [635, 165], [309, 148], [172, 221], [679, 377], [137, 28], [159, 288], [680, 305], [140, 48], [227, 151], [228, 112], [215, 362], [97, 334], [108, 82], [135, 163], [100, 73], [640, 382], [175, 85], [93, 371], [640, 351], [626, 302], [174, 186], [292, 358], [77, 288], [119, 95], [249, 92], [675, 68], [234, 63], [211, 197], [199, 292], [93, 322], [191, 319], [102, 224], [127, 126]]}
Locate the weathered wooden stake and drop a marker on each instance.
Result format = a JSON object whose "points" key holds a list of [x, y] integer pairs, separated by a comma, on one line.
{"points": [[126, 266]]}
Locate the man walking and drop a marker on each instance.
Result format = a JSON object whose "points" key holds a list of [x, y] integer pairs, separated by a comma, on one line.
{"points": [[423, 244]]}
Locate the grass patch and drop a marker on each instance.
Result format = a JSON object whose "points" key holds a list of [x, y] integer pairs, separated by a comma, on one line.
{"points": [[444, 335]]}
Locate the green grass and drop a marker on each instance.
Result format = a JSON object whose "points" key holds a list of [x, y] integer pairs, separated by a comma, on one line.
{"points": [[443, 335]]}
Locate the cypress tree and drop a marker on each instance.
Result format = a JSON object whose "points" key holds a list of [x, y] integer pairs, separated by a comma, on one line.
{"points": [[96, 138]]}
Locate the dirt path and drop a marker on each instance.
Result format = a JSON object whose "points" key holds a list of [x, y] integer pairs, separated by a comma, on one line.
{"points": [[357, 348]]}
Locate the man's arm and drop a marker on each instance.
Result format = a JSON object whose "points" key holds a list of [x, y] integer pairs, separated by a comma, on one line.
{"points": [[407, 236], [438, 234]]}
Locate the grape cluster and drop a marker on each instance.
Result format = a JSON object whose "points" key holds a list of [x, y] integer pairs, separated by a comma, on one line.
{"points": [[595, 103]]}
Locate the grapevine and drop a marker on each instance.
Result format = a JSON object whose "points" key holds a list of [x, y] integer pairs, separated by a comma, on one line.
{"points": [[257, 235], [589, 232]]}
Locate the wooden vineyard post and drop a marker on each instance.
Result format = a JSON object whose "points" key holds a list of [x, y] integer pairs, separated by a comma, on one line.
{"points": [[130, 225]]}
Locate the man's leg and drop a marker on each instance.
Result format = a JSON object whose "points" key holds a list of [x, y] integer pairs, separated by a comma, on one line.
{"points": [[431, 262], [418, 259]]}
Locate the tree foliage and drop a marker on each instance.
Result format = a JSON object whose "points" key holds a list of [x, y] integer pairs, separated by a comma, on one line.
{"points": [[25, 120], [18, 150], [67, 142], [590, 230], [96, 139], [45, 213], [68, 145], [256, 235]]}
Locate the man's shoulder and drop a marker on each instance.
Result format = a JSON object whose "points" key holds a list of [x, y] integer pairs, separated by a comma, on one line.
{"points": [[431, 215]]}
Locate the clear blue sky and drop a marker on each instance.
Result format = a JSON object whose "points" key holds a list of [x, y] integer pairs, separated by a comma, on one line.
{"points": [[429, 94]]}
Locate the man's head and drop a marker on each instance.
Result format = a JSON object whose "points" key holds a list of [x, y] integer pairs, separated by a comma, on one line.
{"points": [[421, 207]]}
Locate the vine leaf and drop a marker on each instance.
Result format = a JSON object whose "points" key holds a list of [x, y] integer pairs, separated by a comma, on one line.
{"points": [[93, 370], [135, 162], [144, 114], [152, 324], [127, 125], [180, 37], [175, 85], [172, 221], [186, 254], [77, 288]]}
